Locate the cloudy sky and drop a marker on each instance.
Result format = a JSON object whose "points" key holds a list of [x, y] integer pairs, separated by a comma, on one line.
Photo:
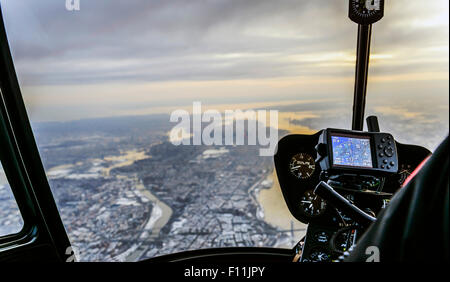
{"points": [[118, 57]]}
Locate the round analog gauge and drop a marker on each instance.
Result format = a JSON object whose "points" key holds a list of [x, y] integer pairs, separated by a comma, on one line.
{"points": [[319, 255], [321, 237], [311, 204], [366, 11], [364, 8], [302, 165]]}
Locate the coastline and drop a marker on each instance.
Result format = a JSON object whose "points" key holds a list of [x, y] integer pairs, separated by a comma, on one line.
{"points": [[275, 211]]}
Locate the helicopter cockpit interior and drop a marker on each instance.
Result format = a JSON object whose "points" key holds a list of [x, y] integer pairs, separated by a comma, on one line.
{"points": [[360, 193]]}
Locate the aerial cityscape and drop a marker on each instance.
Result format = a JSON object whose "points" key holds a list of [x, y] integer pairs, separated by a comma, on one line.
{"points": [[135, 195], [125, 193]]}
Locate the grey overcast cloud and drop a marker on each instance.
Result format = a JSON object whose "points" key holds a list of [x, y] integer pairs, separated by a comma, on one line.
{"points": [[145, 56]]}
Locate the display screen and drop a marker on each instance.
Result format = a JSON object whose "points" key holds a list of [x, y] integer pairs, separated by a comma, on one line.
{"points": [[351, 151]]}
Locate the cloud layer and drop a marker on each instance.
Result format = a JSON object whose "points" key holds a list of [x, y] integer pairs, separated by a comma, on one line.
{"points": [[122, 49], [163, 40]]}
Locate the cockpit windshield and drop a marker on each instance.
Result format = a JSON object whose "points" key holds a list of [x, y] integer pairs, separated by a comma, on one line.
{"points": [[157, 121]]}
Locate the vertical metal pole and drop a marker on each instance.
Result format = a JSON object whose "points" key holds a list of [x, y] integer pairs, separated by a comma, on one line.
{"points": [[361, 73]]}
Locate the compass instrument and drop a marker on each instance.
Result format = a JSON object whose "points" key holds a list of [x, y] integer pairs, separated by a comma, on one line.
{"points": [[366, 12], [302, 166]]}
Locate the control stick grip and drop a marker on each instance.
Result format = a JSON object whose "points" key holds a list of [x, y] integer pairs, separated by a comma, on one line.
{"points": [[335, 199]]}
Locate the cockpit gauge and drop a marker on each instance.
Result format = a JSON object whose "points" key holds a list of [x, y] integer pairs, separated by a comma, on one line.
{"points": [[321, 237], [344, 240], [319, 255], [302, 165], [366, 12], [311, 204]]}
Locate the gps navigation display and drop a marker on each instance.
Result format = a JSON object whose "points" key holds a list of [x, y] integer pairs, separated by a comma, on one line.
{"points": [[351, 151]]}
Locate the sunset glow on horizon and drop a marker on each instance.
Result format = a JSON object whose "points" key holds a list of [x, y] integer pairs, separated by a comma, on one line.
{"points": [[150, 57]]}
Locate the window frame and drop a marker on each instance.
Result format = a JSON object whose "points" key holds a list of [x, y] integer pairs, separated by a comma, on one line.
{"points": [[43, 234], [16, 181]]}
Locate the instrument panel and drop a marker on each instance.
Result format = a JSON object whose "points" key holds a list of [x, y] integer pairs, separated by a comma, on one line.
{"points": [[298, 174]]}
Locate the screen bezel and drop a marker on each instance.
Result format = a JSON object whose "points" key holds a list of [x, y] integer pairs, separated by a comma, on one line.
{"points": [[355, 136]]}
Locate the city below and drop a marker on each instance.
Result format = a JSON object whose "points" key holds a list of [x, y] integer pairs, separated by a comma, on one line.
{"points": [[125, 193], [134, 195]]}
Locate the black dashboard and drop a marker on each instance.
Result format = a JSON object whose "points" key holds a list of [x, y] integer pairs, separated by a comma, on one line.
{"points": [[300, 167]]}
